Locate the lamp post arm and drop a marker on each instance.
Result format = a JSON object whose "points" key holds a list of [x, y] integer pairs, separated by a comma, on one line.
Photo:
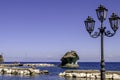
{"points": [[95, 34], [109, 33]]}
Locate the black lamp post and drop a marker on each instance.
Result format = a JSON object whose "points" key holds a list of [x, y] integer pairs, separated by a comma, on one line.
{"points": [[90, 23]]}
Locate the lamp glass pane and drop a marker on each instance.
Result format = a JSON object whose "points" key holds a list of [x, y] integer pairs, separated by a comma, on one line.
{"points": [[101, 15], [105, 14], [90, 27], [114, 24], [89, 23]]}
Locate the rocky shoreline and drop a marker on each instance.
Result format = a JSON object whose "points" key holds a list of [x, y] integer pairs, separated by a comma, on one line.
{"points": [[26, 70], [30, 70], [90, 74]]}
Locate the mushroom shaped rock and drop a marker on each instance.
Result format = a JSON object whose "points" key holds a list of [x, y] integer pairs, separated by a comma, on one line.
{"points": [[69, 60], [1, 58]]}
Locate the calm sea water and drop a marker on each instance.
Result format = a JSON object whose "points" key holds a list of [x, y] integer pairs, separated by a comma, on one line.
{"points": [[54, 71]]}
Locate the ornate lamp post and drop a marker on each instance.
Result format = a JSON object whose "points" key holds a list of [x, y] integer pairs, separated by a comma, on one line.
{"points": [[90, 23]]}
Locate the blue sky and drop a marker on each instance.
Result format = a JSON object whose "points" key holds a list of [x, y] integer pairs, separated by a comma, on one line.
{"points": [[44, 30]]}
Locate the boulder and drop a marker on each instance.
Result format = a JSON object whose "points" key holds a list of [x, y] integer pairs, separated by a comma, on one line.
{"points": [[69, 60], [1, 58]]}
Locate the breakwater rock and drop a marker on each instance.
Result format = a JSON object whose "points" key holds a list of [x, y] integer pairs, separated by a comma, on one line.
{"points": [[28, 64], [21, 71], [90, 74], [11, 65], [39, 65]]}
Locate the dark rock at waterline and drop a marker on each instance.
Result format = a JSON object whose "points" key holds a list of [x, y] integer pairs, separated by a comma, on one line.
{"points": [[1, 58], [69, 60]]}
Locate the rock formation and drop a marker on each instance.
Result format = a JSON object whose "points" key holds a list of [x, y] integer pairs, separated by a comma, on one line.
{"points": [[69, 60], [1, 59]]}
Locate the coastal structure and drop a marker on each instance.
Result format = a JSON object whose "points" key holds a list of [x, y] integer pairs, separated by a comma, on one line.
{"points": [[26, 69], [90, 74], [69, 60], [21, 71]]}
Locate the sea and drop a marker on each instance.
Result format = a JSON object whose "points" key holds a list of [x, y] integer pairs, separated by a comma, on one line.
{"points": [[54, 71]]}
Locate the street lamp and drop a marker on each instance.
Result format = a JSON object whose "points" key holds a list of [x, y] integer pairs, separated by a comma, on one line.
{"points": [[101, 12]]}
